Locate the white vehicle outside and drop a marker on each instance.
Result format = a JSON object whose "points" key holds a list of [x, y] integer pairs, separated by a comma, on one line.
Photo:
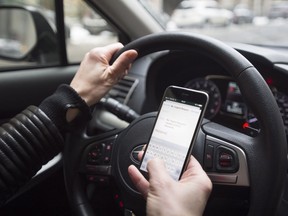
{"points": [[200, 13]]}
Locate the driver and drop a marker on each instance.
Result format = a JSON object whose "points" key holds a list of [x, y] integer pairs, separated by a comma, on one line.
{"points": [[36, 135]]}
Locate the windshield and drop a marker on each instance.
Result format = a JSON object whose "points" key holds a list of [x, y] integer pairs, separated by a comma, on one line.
{"points": [[261, 22]]}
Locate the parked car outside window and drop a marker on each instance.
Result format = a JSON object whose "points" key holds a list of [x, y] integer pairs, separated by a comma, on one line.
{"points": [[242, 14], [279, 9], [201, 13]]}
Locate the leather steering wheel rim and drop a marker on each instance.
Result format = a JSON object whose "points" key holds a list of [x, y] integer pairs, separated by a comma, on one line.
{"points": [[267, 153]]}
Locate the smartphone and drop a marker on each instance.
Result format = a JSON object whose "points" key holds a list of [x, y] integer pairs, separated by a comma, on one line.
{"points": [[175, 130]]}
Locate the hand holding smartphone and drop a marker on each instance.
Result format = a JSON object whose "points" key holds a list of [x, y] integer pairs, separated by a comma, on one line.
{"points": [[175, 129]]}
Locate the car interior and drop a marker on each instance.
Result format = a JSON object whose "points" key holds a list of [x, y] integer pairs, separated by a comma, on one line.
{"points": [[242, 142]]}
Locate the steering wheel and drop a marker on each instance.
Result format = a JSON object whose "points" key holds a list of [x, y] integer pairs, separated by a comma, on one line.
{"points": [[258, 163]]}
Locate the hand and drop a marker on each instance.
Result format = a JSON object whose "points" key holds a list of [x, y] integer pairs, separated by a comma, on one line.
{"points": [[167, 197], [96, 77]]}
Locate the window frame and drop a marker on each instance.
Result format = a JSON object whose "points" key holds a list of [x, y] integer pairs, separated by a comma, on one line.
{"points": [[60, 26]]}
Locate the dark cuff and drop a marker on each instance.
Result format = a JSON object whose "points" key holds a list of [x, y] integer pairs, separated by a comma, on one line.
{"points": [[56, 106]]}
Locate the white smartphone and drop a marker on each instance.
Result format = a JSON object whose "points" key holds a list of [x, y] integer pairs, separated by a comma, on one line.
{"points": [[175, 129]]}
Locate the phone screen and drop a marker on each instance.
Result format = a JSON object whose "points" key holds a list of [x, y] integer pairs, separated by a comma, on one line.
{"points": [[176, 126]]}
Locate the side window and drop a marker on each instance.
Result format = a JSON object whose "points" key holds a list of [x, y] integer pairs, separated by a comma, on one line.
{"points": [[28, 35], [85, 29]]}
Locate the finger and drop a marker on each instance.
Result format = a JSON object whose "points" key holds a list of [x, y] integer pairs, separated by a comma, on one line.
{"points": [[123, 62], [196, 173], [193, 169], [104, 54], [111, 49], [138, 180], [157, 170], [194, 164], [141, 153]]}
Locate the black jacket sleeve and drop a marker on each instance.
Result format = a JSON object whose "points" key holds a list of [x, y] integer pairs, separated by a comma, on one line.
{"points": [[33, 137]]}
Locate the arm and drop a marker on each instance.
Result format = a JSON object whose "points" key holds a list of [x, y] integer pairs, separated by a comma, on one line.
{"points": [[35, 136], [94, 78]]}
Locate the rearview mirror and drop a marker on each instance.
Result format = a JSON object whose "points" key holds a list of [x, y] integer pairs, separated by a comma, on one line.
{"points": [[17, 33]]}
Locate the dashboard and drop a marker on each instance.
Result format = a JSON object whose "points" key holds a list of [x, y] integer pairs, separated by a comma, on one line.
{"points": [[226, 105], [197, 71]]}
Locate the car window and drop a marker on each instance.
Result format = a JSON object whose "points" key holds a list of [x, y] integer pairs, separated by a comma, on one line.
{"points": [[262, 22], [28, 33], [86, 29], [21, 44]]}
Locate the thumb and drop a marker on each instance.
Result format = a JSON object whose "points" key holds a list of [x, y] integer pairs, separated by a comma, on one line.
{"points": [[111, 49], [157, 170], [122, 63]]}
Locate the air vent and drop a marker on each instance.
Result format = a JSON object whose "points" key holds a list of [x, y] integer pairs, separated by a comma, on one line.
{"points": [[124, 89]]}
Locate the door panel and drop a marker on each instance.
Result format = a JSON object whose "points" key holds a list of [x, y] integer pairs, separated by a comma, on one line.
{"points": [[19, 89]]}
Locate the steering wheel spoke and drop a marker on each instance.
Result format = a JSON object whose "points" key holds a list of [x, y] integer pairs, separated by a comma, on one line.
{"points": [[224, 157], [225, 163], [96, 162]]}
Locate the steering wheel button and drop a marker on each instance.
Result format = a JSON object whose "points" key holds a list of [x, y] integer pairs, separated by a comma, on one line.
{"points": [[222, 179], [108, 147], [106, 159], [227, 160], [103, 180], [209, 155], [96, 154], [99, 170]]}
